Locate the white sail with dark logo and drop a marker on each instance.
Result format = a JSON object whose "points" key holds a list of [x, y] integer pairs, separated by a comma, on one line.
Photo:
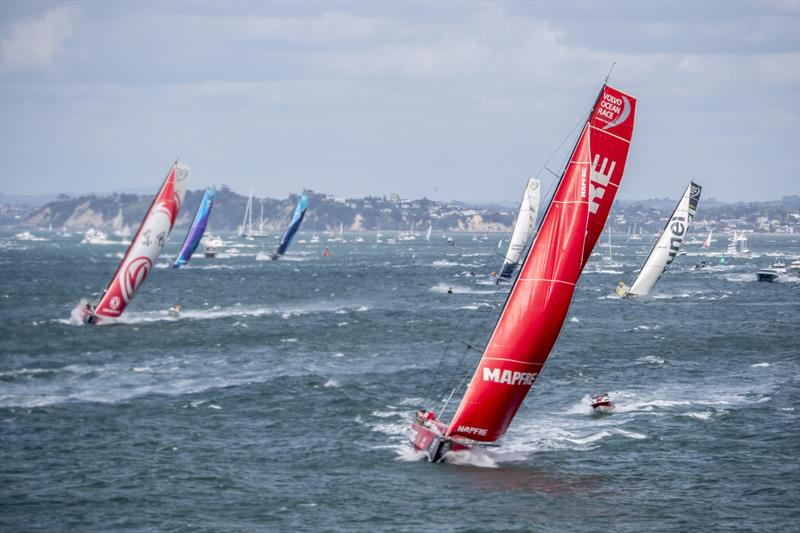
{"points": [[523, 228], [668, 244]]}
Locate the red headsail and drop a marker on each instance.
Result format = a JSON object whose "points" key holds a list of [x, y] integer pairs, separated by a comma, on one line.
{"points": [[539, 300]]}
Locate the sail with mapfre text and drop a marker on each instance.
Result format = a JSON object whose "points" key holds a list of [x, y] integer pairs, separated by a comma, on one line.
{"points": [[538, 303]]}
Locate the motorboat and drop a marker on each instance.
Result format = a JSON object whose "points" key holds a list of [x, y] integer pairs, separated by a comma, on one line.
{"points": [[602, 404], [768, 274]]}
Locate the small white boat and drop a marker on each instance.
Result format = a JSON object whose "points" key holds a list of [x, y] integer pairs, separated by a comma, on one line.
{"points": [[768, 274], [210, 252], [175, 310], [94, 236], [28, 236]]}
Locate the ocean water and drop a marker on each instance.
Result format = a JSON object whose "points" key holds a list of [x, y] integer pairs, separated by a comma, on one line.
{"points": [[280, 399]]}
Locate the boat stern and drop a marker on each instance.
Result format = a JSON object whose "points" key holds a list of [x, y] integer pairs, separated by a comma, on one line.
{"points": [[430, 440]]}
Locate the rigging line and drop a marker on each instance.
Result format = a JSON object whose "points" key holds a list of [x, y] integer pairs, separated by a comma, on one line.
{"points": [[610, 71], [452, 337], [468, 345], [444, 390], [433, 380], [582, 121]]}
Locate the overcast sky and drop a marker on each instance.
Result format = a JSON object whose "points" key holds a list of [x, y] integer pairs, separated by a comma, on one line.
{"points": [[446, 100]]}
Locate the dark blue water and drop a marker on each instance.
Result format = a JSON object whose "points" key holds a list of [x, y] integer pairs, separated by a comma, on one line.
{"points": [[279, 400]]}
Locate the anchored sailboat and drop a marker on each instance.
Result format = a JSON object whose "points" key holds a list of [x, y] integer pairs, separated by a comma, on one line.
{"points": [[142, 252], [291, 229], [196, 230], [667, 246], [523, 228], [540, 297]]}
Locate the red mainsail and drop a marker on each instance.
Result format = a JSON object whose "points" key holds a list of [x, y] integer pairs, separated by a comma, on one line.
{"points": [[539, 300]]}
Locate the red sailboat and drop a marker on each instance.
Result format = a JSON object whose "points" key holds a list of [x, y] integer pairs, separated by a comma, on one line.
{"points": [[142, 252], [539, 300]]}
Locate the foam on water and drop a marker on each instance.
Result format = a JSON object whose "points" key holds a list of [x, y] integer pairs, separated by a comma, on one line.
{"points": [[443, 288]]}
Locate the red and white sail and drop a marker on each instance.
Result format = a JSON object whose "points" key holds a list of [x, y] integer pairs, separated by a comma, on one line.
{"points": [[707, 242], [539, 300], [146, 245]]}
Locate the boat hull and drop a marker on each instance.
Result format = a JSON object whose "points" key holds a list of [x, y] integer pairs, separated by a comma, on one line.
{"points": [[767, 275], [431, 440], [603, 408], [84, 315]]}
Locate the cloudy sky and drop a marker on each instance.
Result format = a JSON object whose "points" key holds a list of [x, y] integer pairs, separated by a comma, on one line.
{"points": [[446, 100]]}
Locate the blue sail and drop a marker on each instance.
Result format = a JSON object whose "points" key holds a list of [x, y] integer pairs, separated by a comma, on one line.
{"points": [[294, 225], [196, 230]]}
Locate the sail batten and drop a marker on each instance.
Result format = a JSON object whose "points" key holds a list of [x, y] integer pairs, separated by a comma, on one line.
{"points": [[539, 300]]}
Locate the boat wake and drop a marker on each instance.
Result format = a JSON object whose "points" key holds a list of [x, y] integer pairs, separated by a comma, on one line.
{"points": [[444, 288], [216, 312]]}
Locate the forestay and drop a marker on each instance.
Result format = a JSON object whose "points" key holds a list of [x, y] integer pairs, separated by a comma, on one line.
{"points": [[539, 299], [668, 244]]}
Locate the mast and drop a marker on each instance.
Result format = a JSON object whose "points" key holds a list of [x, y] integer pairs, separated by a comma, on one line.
{"points": [[539, 300], [250, 213]]}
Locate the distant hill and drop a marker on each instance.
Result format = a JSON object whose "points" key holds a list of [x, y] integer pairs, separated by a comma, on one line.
{"points": [[325, 212]]}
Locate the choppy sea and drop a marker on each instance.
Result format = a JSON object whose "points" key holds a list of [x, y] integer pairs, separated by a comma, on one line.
{"points": [[280, 398]]}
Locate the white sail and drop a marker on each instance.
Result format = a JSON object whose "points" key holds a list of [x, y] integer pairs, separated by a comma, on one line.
{"points": [[428, 235], [707, 242], [246, 229], [732, 250], [668, 244], [523, 227]]}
